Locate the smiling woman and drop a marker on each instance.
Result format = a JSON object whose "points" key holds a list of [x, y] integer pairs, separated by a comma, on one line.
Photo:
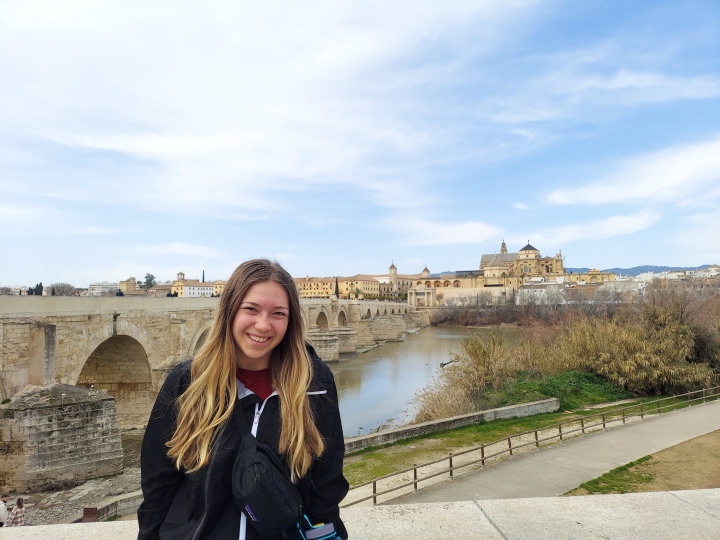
{"points": [[255, 370]]}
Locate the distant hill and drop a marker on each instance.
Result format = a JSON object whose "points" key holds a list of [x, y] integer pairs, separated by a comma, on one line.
{"points": [[636, 270]]}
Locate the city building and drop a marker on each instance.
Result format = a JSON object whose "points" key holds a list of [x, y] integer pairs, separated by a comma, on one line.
{"points": [[315, 287], [160, 289], [129, 286], [359, 285], [219, 287], [498, 278], [100, 289], [193, 288]]}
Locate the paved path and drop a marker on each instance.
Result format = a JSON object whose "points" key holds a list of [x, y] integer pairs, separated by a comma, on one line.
{"points": [[554, 470], [664, 515]]}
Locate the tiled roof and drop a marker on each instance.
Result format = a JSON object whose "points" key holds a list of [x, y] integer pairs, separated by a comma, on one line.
{"points": [[502, 257]]}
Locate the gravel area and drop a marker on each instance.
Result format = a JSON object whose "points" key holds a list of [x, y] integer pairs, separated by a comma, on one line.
{"points": [[47, 508]]}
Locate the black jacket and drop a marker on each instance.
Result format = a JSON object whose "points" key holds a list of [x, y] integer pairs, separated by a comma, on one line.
{"points": [[200, 506]]}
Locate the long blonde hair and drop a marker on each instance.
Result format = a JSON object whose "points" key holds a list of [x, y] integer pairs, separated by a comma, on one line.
{"points": [[209, 400]]}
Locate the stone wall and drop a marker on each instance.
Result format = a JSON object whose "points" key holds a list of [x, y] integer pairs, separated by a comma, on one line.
{"points": [[364, 334], [347, 339], [47, 438], [15, 354], [325, 343], [388, 328], [353, 444]]}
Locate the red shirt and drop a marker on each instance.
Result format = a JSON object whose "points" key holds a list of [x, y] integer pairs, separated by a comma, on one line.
{"points": [[258, 382]]}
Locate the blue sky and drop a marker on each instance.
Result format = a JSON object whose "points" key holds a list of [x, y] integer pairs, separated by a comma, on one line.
{"points": [[338, 136]]}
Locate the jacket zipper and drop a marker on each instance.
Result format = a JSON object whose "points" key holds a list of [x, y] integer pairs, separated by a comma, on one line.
{"points": [[207, 485]]}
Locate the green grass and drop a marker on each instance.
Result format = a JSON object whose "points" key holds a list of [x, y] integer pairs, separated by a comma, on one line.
{"points": [[377, 461], [574, 389], [620, 480]]}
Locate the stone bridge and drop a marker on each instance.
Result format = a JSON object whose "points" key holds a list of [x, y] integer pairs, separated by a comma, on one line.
{"points": [[127, 345]]}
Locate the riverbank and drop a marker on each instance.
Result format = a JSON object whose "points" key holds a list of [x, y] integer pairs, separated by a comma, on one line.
{"points": [[370, 463]]}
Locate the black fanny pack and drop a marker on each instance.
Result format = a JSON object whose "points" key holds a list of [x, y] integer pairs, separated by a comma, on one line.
{"points": [[261, 486]]}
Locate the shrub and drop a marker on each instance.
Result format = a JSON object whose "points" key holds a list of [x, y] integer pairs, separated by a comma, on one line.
{"points": [[656, 355]]}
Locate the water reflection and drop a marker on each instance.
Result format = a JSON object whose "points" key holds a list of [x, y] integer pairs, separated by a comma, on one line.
{"points": [[376, 388]]}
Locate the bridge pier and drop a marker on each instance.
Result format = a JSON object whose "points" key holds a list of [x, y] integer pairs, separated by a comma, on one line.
{"points": [[325, 342], [58, 433]]}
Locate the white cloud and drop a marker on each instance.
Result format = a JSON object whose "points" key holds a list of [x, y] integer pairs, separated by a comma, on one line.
{"points": [[229, 104], [632, 87], [424, 232], [19, 219], [598, 229], [676, 174], [16, 218], [584, 84], [520, 206], [179, 248]]}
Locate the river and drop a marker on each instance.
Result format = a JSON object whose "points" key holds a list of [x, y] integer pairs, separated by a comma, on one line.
{"points": [[376, 388]]}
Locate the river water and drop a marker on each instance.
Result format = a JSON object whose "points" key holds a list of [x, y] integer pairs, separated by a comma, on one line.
{"points": [[376, 388]]}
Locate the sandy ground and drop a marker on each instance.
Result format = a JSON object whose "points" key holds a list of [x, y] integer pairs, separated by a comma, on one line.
{"points": [[694, 464]]}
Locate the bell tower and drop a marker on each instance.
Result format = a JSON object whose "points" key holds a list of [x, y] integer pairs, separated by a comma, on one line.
{"points": [[392, 277], [503, 247]]}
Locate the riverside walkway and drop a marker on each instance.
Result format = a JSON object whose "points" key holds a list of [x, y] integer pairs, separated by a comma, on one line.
{"points": [[556, 469]]}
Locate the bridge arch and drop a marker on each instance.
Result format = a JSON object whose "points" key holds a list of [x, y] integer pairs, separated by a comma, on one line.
{"points": [[377, 313], [322, 321], [198, 340], [368, 315], [120, 366], [342, 318]]}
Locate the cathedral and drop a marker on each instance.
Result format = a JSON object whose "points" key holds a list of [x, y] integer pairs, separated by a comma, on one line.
{"points": [[499, 277]]}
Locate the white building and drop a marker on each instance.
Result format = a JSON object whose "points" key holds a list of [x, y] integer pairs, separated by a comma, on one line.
{"points": [[196, 289], [97, 289], [193, 288]]}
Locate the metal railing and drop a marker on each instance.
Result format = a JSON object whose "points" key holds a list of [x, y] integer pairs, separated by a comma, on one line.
{"points": [[578, 424]]}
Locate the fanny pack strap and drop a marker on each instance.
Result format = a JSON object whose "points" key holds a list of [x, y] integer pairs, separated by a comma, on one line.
{"points": [[248, 440]]}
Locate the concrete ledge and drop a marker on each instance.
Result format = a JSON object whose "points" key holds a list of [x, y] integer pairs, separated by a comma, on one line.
{"points": [[119, 506], [353, 444], [677, 515]]}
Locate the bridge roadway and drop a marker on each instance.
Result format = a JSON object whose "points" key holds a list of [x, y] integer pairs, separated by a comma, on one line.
{"points": [[664, 515], [128, 345]]}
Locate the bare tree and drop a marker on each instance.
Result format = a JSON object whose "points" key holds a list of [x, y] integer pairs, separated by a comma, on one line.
{"points": [[63, 289], [5, 291]]}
